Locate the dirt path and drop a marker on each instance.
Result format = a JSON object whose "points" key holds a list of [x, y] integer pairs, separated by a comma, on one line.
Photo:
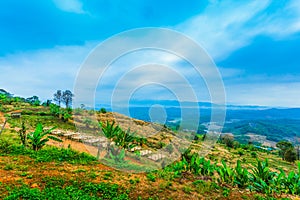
{"points": [[78, 146], [2, 118]]}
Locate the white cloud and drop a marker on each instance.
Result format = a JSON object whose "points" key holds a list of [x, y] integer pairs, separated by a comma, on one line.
{"points": [[264, 94], [42, 72], [74, 6], [226, 26]]}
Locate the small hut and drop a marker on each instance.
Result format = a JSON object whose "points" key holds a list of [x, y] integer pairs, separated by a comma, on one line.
{"points": [[16, 114]]}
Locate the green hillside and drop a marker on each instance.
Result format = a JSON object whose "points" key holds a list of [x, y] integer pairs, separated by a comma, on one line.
{"points": [[63, 170]]}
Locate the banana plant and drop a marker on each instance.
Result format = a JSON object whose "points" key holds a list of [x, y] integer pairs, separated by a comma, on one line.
{"points": [[241, 178], [109, 130], [39, 137], [180, 167], [262, 171], [292, 183], [125, 139], [199, 166], [226, 173]]}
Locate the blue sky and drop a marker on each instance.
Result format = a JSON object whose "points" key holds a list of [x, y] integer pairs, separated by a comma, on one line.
{"points": [[254, 44]]}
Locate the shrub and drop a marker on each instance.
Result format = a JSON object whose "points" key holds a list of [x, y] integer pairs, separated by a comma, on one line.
{"points": [[103, 110], [253, 154], [151, 177], [228, 140], [290, 155]]}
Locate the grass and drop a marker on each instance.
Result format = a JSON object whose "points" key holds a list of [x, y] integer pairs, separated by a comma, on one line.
{"points": [[48, 121], [47, 154], [71, 190]]}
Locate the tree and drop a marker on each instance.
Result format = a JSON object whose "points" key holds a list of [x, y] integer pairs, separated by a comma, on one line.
{"points": [[103, 110], [283, 146], [47, 103], [228, 140], [58, 97], [290, 155], [67, 98], [34, 100], [2, 91], [23, 134]]}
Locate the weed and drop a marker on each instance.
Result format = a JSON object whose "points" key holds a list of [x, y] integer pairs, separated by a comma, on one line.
{"points": [[226, 192], [79, 170], [151, 177], [9, 166], [187, 189], [107, 176]]}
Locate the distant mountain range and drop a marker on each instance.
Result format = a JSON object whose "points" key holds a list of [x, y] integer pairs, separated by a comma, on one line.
{"points": [[140, 109], [185, 104]]}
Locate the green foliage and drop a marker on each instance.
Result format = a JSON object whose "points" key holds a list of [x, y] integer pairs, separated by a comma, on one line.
{"points": [[39, 137], [65, 114], [34, 100], [47, 154], [103, 110], [109, 129], [241, 178], [58, 97], [262, 177], [73, 190], [199, 166], [117, 155], [226, 173], [67, 98], [290, 155], [23, 134], [253, 154], [228, 140], [6, 146], [285, 146], [261, 171], [54, 109], [151, 177], [125, 139]]}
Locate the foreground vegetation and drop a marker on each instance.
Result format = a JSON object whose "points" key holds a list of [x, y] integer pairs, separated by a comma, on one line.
{"points": [[51, 171], [31, 169]]}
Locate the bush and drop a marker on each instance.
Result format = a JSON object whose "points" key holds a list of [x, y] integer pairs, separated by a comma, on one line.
{"points": [[228, 140], [6, 146], [151, 177], [290, 155], [103, 110], [253, 154]]}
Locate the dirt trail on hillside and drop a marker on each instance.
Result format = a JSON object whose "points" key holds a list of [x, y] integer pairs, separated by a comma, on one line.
{"points": [[78, 146], [2, 120]]}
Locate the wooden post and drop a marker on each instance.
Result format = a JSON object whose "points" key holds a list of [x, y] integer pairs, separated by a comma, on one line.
{"points": [[98, 153], [3, 127]]}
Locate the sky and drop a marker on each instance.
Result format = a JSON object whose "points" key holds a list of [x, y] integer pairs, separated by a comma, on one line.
{"points": [[255, 45]]}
